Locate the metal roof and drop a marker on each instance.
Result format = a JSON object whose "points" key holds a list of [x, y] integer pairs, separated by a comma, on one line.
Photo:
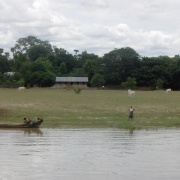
{"points": [[71, 79], [9, 73]]}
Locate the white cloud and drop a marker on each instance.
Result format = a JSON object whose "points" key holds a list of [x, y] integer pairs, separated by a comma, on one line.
{"points": [[99, 26], [58, 20], [96, 3]]}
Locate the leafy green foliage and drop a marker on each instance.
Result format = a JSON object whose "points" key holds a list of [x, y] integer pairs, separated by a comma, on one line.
{"points": [[97, 80], [4, 64], [120, 64], [63, 68], [38, 51], [36, 62], [41, 79], [152, 69], [159, 83], [23, 44], [130, 83]]}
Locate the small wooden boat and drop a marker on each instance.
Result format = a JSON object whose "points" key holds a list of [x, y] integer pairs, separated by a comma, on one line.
{"points": [[33, 124]]}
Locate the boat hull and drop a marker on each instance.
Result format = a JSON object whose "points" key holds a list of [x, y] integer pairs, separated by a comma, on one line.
{"points": [[13, 125]]}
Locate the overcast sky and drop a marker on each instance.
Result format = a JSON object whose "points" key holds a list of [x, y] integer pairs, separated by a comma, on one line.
{"points": [[150, 27]]}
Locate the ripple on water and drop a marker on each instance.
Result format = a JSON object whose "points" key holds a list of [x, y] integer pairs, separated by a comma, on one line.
{"points": [[90, 154]]}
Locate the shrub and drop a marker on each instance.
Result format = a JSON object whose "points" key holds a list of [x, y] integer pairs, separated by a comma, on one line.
{"points": [[97, 80], [159, 83], [77, 90], [130, 83]]}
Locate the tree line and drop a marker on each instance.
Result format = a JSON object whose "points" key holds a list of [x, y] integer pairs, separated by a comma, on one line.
{"points": [[37, 63]]}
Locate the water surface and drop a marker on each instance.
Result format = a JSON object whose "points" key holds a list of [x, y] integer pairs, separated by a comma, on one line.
{"points": [[89, 154]]}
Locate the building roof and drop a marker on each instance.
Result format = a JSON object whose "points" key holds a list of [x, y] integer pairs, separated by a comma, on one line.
{"points": [[9, 73], [71, 79]]}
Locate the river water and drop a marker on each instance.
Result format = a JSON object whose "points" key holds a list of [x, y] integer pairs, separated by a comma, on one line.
{"points": [[89, 154]]}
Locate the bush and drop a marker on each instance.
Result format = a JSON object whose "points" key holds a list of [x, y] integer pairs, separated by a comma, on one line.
{"points": [[130, 83], [159, 83], [97, 80], [77, 90]]}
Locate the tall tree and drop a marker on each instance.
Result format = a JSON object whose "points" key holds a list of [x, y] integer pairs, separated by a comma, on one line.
{"points": [[90, 67], [120, 64], [175, 83], [23, 44], [97, 80], [85, 56], [38, 51], [76, 51], [4, 64], [40, 74], [154, 69], [1, 51]]}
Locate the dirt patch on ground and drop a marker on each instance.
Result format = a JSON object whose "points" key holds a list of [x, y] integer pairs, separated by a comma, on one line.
{"points": [[3, 111]]}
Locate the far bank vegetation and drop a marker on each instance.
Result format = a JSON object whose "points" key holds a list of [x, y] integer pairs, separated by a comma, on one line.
{"points": [[33, 62]]}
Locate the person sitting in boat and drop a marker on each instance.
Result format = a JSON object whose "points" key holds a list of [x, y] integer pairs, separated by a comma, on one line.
{"points": [[39, 119], [28, 121]]}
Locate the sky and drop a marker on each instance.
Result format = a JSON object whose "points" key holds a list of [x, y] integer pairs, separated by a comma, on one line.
{"points": [[151, 28]]}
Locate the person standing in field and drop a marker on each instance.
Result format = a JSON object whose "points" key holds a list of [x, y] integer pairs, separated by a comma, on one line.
{"points": [[131, 113]]}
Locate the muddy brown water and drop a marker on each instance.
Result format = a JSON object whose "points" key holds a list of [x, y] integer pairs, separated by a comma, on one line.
{"points": [[89, 154]]}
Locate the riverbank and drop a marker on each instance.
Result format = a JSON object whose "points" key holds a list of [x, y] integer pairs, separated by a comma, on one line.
{"points": [[91, 108]]}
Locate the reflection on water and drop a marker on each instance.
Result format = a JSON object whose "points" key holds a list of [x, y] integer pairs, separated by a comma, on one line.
{"points": [[27, 131], [33, 131], [89, 154]]}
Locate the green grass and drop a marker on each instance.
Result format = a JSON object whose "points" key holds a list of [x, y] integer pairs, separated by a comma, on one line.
{"points": [[91, 108]]}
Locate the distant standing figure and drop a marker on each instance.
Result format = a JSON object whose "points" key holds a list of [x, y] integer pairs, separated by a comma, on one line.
{"points": [[131, 111]]}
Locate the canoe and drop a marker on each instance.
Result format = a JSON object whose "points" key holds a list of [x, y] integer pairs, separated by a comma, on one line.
{"points": [[35, 124]]}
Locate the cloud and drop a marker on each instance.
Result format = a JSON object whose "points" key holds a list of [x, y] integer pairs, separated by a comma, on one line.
{"points": [[96, 3], [98, 38], [98, 26]]}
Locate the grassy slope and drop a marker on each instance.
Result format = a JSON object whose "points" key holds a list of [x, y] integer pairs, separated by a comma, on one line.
{"points": [[91, 108]]}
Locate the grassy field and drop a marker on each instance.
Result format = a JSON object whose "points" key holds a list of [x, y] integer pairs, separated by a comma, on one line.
{"points": [[91, 108]]}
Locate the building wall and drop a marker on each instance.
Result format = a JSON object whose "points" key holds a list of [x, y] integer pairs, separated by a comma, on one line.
{"points": [[71, 84]]}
